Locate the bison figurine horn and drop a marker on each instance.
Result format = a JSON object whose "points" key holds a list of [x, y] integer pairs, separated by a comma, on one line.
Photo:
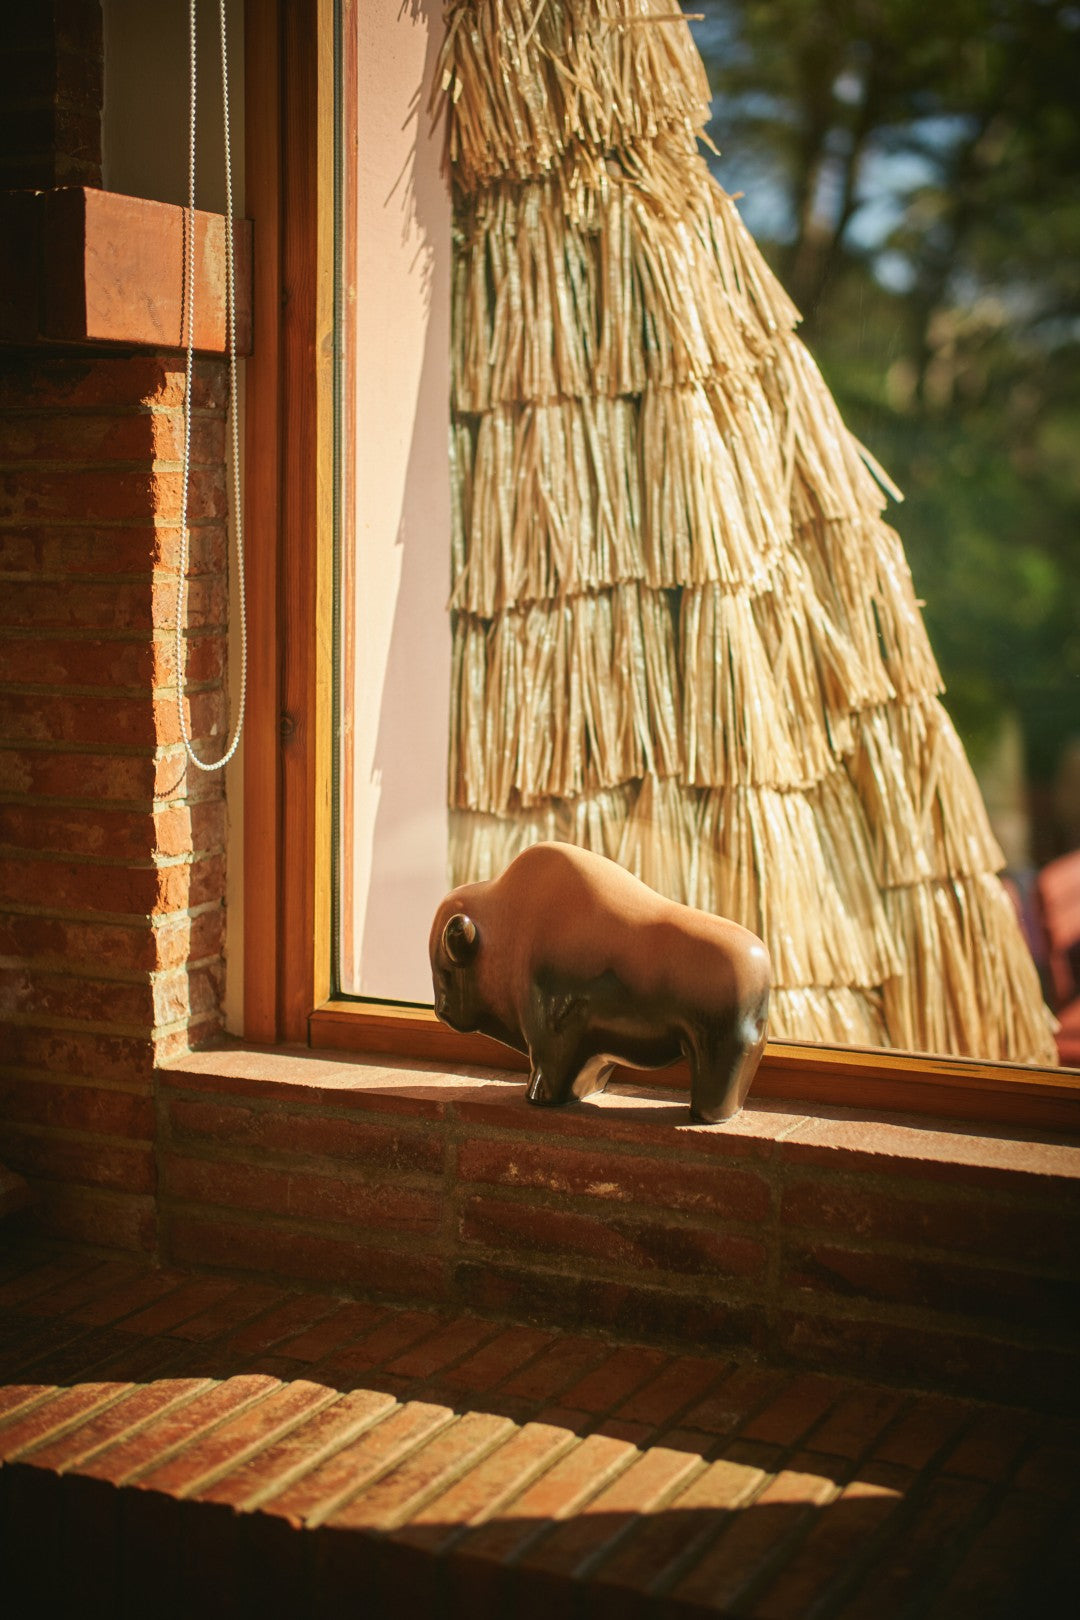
{"points": [[459, 939]]}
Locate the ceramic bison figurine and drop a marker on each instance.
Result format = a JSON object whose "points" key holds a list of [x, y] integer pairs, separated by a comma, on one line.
{"points": [[570, 959]]}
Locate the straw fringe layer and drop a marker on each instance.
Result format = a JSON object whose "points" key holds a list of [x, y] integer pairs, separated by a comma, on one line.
{"points": [[526, 78], [919, 799], [834, 1017], [552, 500], [555, 701], [604, 291], [964, 954]]}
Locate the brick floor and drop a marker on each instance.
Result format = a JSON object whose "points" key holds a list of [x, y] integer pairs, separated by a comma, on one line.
{"points": [[231, 1448]]}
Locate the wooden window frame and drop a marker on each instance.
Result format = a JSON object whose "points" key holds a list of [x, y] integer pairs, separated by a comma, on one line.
{"points": [[288, 748]]}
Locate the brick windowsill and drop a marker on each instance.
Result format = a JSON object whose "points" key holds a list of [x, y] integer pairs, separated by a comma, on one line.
{"points": [[909, 1250]]}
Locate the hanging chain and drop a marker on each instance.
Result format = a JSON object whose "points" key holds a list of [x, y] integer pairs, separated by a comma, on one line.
{"points": [[189, 318]]}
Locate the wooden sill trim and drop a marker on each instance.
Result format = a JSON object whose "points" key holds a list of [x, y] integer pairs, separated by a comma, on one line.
{"points": [[885, 1082]]}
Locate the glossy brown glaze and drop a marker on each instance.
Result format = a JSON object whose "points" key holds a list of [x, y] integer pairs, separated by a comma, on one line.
{"points": [[569, 958]]}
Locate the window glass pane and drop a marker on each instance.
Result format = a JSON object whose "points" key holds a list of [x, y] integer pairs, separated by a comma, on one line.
{"points": [[652, 606]]}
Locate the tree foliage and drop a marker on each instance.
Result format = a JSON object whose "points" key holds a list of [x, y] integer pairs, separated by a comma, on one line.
{"points": [[912, 172]]}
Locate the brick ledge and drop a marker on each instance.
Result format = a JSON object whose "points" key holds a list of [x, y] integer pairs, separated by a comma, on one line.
{"points": [[893, 1248]]}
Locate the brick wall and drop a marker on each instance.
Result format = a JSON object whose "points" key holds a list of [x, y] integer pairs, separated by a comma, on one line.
{"points": [[895, 1250], [50, 93], [111, 858]]}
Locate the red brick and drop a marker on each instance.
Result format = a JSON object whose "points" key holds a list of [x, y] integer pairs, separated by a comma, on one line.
{"points": [[181, 939], [108, 552], [41, 995], [85, 1161], [97, 438], [639, 1246], [15, 1397], [908, 1570], [620, 1373], [838, 1543], [927, 1153], [664, 1539], [68, 1296], [562, 1489], [46, 1101], [121, 381], [562, 1363], [388, 1501], [177, 1430], [303, 1448], [114, 835], [119, 722], [380, 1086], [460, 1336], [985, 1366], [279, 1251], [991, 1446], [54, 494], [293, 1314], [73, 1357], [574, 1545], [1011, 1296], [387, 1338], [70, 886], [313, 1135], [1050, 1469], [634, 1116], [677, 1385], [303, 1195], [129, 606], [315, 1495], [26, 1341], [481, 1494], [126, 1297], [742, 1394], [785, 1419], [140, 1405], [749, 1542], [858, 1419], [621, 1306], [110, 778], [39, 1279], [995, 1574], [189, 994], [739, 1194], [110, 1353], [346, 1322], [234, 1310], [237, 1438], [53, 1415], [108, 1219], [166, 1314], [970, 1225], [505, 1355]]}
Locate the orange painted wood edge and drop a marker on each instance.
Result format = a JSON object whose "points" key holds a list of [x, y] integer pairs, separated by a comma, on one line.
{"points": [[305, 616], [898, 1082], [84, 266], [262, 519]]}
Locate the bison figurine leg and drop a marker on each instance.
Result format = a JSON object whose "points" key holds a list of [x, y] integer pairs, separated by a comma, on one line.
{"points": [[723, 1060], [562, 1064]]}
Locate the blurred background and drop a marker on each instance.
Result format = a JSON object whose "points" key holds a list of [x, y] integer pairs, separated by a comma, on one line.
{"points": [[911, 172]]}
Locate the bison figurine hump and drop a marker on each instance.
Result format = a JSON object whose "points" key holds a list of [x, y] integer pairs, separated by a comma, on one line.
{"points": [[570, 959]]}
